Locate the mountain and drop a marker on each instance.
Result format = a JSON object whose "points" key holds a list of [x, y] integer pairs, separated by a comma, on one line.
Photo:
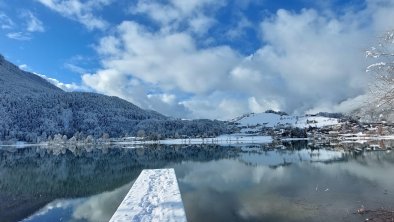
{"points": [[14, 80], [254, 122], [31, 108]]}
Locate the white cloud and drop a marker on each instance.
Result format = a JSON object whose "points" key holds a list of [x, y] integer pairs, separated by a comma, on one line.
{"points": [[218, 105], [24, 67], [201, 24], [188, 7], [22, 33], [69, 87], [263, 105], [6, 22], [238, 30], [307, 61], [21, 36], [113, 83], [167, 61], [75, 68], [33, 24], [166, 98], [78, 10], [175, 14], [314, 58], [166, 103], [382, 14], [171, 61], [160, 13], [346, 106]]}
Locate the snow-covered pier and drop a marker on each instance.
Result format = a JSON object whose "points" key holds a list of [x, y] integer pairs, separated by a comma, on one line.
{"points": [[155, 196]]}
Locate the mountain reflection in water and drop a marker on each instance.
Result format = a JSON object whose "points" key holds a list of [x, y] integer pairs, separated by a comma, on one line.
{"points": [[249, 183]]}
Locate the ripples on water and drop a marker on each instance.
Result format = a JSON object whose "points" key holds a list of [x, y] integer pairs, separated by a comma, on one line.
{"points": [[249, 183]]}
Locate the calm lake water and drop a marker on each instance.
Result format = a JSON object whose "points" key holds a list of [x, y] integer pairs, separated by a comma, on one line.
{"points": [[249, 183]]}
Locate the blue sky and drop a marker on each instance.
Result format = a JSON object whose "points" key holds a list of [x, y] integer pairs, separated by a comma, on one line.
{"points": [[201, 58]]}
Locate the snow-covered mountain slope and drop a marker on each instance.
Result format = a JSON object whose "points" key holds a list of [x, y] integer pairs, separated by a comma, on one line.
{"points": [[254, 120], [13, 79], [32, 109]]}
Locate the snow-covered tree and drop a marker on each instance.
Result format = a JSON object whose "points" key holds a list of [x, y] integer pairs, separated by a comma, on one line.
{"points": [[32, 109], [383, 70]]}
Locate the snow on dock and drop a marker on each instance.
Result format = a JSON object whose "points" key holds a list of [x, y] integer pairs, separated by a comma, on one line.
{"points": [[155, 196]]}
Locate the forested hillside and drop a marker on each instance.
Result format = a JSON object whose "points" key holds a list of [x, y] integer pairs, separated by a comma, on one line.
{"points": [[33, 109]]}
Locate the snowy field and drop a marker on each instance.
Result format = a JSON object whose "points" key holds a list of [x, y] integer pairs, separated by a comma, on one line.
{"points": [[155, 196], [275, 120]]}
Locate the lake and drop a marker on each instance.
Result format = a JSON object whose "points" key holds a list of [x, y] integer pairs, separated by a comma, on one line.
{"points": [[217, 183]]}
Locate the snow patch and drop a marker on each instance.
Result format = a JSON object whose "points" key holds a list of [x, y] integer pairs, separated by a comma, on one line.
{"points": [[275, 120]]}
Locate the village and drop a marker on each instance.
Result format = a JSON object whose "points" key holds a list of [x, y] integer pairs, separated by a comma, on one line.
{"points": [[348, 134], [332, 130]]}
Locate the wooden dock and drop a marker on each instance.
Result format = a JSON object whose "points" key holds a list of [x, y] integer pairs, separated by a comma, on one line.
{"points": [[155, 196]]}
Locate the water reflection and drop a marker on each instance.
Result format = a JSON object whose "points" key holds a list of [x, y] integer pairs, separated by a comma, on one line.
{"points": [[250, 183], [99, 207], [228, 190], [31, 178]]}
